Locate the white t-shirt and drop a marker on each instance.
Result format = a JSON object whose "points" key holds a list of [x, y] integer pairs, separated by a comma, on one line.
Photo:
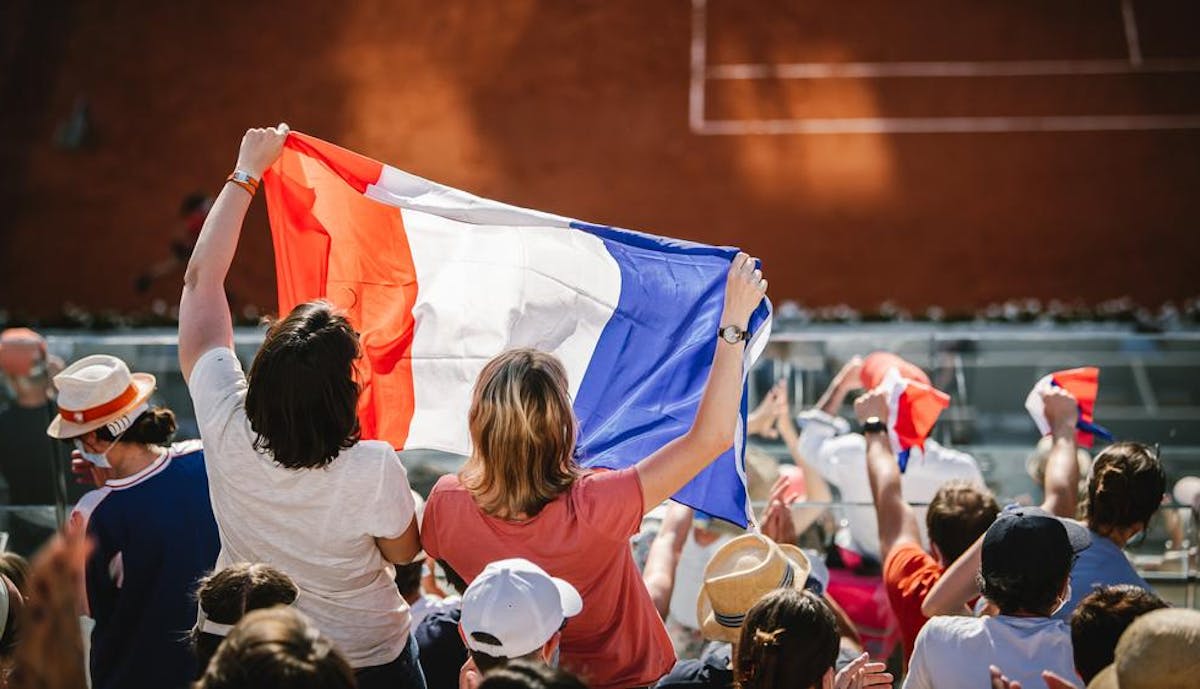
{"points": [[689, 577], [954, 652], [316, 525], [842, 461]]}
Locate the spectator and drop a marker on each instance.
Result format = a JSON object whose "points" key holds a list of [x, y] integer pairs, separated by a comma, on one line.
{"points": [[292, 484], [278, 648], [959, 513], [32, 464], [1125, 490], [11, 605], [225, 597], [151, 523], [790, 638], [739, 574], [1157, 651], [527, 675], [441, 645], [1039, 460], [50, 652], [514, 611], [841, 458], [1100, 619], [521, 494], [1023, 639]]}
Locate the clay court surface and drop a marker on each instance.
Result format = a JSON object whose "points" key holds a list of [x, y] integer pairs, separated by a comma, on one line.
{"points": [[925, 152]]}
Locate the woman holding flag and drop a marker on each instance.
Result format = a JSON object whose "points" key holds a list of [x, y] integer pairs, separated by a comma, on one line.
{"points": [[521, 494], [292, 485]]}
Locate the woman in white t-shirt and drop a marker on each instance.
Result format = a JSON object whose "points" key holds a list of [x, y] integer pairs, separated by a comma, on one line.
{"points": [[292, 485]]}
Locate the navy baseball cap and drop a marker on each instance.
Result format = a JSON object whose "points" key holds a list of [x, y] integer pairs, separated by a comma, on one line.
{"points": [[1025, 539]]}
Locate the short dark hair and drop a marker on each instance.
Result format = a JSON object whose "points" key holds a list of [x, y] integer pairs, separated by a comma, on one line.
{"points": [[302, 400], [1034, 590], [487, 662], [456, 582], [959, 513], [1100, 619], [1126, 487], [521, 674], [789, 638], [154, 426]]}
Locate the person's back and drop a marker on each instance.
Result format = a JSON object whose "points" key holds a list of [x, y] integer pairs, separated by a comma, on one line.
{"points": [[1124, 491]]}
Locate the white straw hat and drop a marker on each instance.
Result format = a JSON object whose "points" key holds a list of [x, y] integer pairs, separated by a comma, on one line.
{"points": [[739, 575], [95, 391]]}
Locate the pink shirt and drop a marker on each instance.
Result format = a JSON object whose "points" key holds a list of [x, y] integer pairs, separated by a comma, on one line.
{"points": [[581, 536]]}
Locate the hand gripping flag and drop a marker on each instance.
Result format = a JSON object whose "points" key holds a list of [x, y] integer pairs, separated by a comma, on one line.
{"points": [[439, 281], [913, 409], [1084, 385]]}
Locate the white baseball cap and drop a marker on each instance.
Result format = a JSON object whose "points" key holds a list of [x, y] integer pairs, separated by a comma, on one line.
{"points": [[519, 604]]}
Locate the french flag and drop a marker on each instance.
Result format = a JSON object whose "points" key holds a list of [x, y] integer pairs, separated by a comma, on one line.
{"points": [[913, 409], [1084, 385], [439, 281]]}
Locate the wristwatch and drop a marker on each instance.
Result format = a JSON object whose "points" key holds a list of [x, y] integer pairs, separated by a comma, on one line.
{"points": [[732, 334], [874, 424]]}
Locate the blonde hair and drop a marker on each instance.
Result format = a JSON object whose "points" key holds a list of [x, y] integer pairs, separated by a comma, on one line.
{"points": [[523, 431]]}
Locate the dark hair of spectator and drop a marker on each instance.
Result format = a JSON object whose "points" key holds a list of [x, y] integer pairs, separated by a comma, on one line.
{"points": [[155, 426], [486, 663], [958, 515], [1100, 619], [1126, 487], [277, 648], [789, 638], [521, 674], [227, 595], [408, 578], [1035, 591], [16, 568], [302, 400], [456, 582]]}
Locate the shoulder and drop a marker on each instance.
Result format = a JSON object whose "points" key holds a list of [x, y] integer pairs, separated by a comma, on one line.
{"points": [[87, 505], [907, 559], [947, 627], [686, 673], [190, 449]]}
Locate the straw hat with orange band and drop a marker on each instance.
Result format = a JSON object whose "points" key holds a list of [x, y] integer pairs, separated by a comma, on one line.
{"points": [[96, 392]]}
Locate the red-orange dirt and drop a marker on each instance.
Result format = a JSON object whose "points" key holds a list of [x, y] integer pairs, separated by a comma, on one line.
{"points": [[581, 108]]}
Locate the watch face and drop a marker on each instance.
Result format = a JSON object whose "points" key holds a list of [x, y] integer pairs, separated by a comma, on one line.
{"points": [[731, 334]]}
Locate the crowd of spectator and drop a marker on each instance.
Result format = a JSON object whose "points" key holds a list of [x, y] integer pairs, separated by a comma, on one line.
{"points": [[282, 550]]}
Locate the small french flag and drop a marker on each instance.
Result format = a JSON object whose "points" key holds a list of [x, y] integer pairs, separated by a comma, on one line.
{"points": [[1083, 384], [913, 409]]}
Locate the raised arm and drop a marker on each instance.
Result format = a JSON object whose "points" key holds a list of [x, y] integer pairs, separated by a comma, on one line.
{"points": [[848, 379], [1061, 478], [816, 487], [667, 470], [659, 573], [897, 521], [204, 319]]}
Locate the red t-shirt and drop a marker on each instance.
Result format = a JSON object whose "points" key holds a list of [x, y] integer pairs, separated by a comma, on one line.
{"points": [[908, 573], [583, 537]]}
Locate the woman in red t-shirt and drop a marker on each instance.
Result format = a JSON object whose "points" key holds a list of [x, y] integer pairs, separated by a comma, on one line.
{"points": [[521, 494]]}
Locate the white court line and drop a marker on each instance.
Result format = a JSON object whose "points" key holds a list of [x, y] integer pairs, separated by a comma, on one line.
{"points": [[1008, 68], [950, 125], [1131, 33], [700, 73]]}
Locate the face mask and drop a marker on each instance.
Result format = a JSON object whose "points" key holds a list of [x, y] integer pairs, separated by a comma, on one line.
{"points": [[99, 459]]}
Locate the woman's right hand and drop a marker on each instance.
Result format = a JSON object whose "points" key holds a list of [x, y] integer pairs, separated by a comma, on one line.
{"points": [[261, 148], [744, 290]]}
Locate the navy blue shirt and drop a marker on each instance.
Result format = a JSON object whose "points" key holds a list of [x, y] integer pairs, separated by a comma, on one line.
{"points": [[441, 648], [155, 536], [711, 670]]}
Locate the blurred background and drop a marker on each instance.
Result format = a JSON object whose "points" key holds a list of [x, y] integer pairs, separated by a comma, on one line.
{"points": [[995, 189]]}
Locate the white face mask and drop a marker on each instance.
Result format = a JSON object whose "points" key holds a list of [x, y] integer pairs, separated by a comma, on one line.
{"points": [[99, 459]]}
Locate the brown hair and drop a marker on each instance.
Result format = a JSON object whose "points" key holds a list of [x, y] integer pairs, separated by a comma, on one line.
{"points": [[155, 426], [958, 515], [227, 595], [277, 648], [523, 674], [789, 638], [1126, 487], [302, 400], [1100, 619], [16, 568], [523, 431]]}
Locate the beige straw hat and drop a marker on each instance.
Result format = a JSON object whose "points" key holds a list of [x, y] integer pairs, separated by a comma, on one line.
{"points": [[95, 391], [1160, 650], [739, 574]]}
